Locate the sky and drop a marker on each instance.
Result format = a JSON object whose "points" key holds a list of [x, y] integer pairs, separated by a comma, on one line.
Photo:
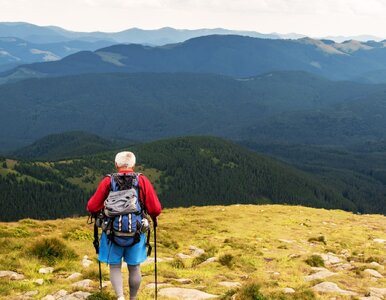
{"points": [[316, 18]]}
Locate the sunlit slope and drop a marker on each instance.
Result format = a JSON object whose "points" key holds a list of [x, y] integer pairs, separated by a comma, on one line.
{"points": [[265, 245]]}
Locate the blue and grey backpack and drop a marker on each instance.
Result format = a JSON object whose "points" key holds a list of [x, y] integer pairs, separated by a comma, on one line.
{"points": [[124, 212]]}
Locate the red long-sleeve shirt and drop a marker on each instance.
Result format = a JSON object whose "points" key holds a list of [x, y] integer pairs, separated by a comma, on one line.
{"points": [[147, 193]]}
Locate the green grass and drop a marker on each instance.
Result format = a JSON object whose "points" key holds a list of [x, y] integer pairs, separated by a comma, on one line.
{"points": [[249, 253]]}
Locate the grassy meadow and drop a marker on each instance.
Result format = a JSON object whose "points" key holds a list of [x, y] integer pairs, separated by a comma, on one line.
{"points": [[265, 248]]}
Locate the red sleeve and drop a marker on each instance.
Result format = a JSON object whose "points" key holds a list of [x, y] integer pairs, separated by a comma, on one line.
{"points": [[95, 204], [149, 197]]}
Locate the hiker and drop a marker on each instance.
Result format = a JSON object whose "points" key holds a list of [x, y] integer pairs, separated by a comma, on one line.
{"points": [[111, 251]]}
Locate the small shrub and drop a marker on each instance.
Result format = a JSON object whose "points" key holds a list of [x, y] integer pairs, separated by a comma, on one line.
{"points": [[101, 296], [51, 250], [251, 291], [170, 244], [168, 274], [229, 294], [200, 259], [374, 259], [177, 263], [227, 260], [78, 235], [319, 239], [315, 261]]}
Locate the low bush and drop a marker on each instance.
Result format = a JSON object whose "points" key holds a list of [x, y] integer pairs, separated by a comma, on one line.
{"points": [[251, 291], [319, 239], [177, 263], [227, 260], [200, 259], [101, 296], [315, 261], [78, 235], [51, 250]]}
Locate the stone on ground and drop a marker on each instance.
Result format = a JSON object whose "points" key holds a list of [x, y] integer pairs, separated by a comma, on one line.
{"points": [[76, 296], [230, 284], [86, 262], [31, 293], [209, 260], [330, 258], [60, 294], [373, 273], [196, 251], [185, 294], [380, 241], [370, 298], [321, 274], [288, 291], [39, 281], [12, 275], [46, 270], [74, 276], [330, 287], [83, 283], [378, 292]]}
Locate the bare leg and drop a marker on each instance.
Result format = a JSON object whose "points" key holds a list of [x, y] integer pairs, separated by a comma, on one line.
{"points": [[134, 280], [116, 279]]}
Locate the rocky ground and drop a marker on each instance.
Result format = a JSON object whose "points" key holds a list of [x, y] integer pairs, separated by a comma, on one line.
{"points": [[230, 252]]}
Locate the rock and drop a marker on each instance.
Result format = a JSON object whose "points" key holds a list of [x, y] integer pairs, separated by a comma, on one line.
{"points": [[86, 262], [76, 296], [286, 241], [323, 273], [288, 291], [159, 285], [293, 256], [46, 270], [276, 274], [74, 276], [378, 292], [345, 252], [12, 275], [106, 284], [329, 258], [185, 294], [380, 241], [48, 297], [39, 281], [370, 298], [31, 293], [209, 260], [60, 294], [373, 273], [183, 256], [330, 287], [376, 265], [83, 283], [230, 284], [150, 260], [342, 267], [196, 251], [184, 280]]}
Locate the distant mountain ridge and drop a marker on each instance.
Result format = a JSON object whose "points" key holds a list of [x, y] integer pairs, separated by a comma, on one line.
{"points": [[230, 55], [18, 51]]}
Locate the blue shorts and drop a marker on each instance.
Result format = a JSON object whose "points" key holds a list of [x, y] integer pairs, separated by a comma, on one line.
{"points": [[112, 254]]}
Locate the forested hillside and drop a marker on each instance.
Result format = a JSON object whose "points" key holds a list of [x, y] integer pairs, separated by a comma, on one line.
{"points": [[283, 106], [185, 172]]}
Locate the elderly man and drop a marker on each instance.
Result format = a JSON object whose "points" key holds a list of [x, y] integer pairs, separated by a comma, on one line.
{"points": [[110, 252]]}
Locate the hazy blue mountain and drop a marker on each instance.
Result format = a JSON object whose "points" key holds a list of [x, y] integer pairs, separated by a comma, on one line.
{"points": [[162, 36], [230, 55], [143, 106], [15, 51], [377, 76]]}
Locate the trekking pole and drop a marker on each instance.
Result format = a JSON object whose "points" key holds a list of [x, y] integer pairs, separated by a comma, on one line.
{"points": [[155, 255], [96, 246]]}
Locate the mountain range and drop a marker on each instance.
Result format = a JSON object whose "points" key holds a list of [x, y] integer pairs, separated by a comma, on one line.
{"points": [[230, 55]]}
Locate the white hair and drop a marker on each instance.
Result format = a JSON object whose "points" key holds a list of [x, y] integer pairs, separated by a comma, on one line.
{"points": [[125, 159]]}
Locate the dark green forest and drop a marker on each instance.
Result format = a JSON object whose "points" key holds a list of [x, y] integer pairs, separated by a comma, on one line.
{"points": [[185, 172]]}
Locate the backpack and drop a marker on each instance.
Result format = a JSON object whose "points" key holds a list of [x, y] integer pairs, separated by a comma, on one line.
{"points": [[123, 210]]}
